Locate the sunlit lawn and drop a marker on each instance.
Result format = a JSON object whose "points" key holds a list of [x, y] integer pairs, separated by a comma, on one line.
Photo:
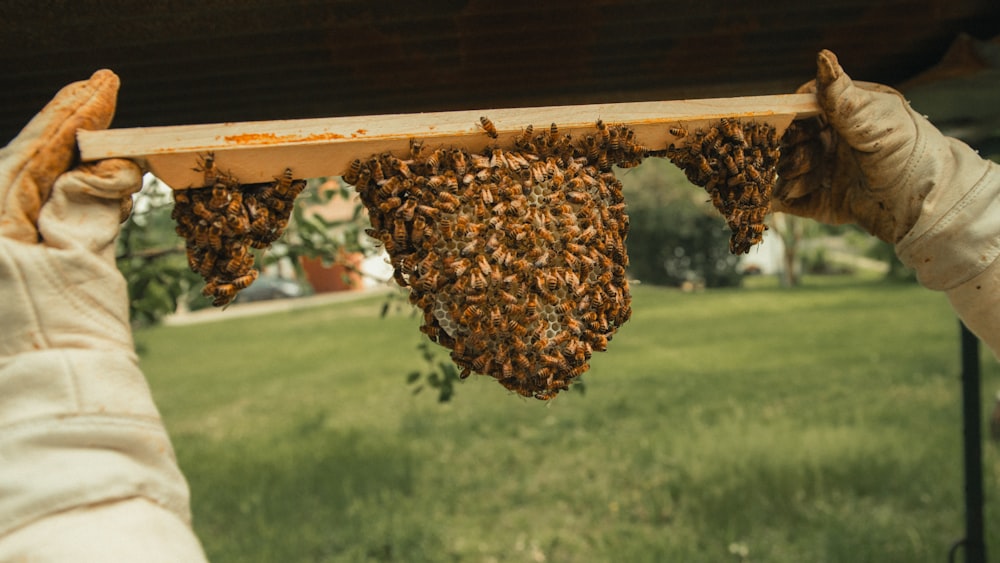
{"points": [[816, 424]]}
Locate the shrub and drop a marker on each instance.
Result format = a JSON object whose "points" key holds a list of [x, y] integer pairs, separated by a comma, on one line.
{"points": [[675, 235]]}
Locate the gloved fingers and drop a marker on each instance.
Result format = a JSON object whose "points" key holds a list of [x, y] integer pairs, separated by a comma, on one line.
{"points": [[801, 148], [125, 208], [85, 207], [870, 117], [46, 148]]}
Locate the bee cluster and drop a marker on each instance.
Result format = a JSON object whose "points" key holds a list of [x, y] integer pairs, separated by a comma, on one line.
{"points": [[222, 221], [735, 162], [516, 256]]}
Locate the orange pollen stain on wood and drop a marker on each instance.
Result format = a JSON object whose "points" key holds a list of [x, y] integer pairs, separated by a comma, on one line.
{"points": [[271, 138]]}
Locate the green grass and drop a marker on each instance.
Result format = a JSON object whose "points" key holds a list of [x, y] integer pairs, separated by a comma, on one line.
{"points": [[819, 424]]}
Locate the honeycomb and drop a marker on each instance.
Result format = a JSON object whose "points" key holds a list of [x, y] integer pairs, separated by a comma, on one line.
{"points": [[515, 255], [736, 163], [222, 221]]}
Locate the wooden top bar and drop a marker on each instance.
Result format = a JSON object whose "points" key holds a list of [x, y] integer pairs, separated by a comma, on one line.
{"points": [[259, 151]]}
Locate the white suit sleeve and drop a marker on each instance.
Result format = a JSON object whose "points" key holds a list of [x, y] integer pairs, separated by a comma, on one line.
{"points": [[955, 245]]}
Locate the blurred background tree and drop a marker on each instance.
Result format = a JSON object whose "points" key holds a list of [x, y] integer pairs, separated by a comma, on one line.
{"points": [[675, 235]]}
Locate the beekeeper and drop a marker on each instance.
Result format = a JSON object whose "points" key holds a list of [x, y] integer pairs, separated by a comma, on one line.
{"points": [[87, 471]]}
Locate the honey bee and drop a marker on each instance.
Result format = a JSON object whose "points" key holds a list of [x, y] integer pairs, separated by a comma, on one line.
{"points": [[244, 281], [738, 158], [400, 167], [214, 234], [477, 282], [483, 265], [546, 395], [523, 141], [399, 234], [551, 282], [507, 297], [389, 187], [553, 134], [730, 165], [542, 260], [592, 148], [406, 210], [487, 195], [224, 293], [375, 167], [565, 307], [602, 130], [469, 248], [458, 162], [678, 131], [428, 282], [602, 161], [199, 209], [220, 196], [363, 177], [236, 263], [556, 361], [531, 307], [615, 142], [283, 183], [352, 173], [390, 204], [434, 161], [427, 211], [417, 229], [497, 159], [732, 129], [521, 360], [482, 363], [737, 180], [704, 166], [495, 317], [416, 146], [445, 225], [488, 127]]}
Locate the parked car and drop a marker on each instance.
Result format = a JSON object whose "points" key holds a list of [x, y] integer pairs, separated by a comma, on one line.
{"points": [[268, 287]]}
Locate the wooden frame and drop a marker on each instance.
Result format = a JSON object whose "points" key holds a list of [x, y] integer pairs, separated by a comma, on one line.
{"points": [[259, 151]]}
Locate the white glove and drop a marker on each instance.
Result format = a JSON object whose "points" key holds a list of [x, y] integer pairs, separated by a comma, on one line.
{"points": [[87, 472], [872, 160]]}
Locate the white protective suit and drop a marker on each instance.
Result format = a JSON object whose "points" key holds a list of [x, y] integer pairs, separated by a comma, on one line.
{"points": [[87, 472]]}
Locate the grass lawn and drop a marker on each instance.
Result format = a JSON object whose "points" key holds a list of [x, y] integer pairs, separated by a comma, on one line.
{"points": [[820, 424]]}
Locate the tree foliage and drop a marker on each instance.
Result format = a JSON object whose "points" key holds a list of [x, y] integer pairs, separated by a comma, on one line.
{"points": [[675, 235]]}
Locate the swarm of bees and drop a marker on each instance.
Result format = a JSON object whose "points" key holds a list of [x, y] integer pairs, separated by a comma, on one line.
{"points": [[223, 220], [736, 163], [515, 255]]}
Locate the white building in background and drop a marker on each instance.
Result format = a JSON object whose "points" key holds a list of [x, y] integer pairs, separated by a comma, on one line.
{"points": [[766, 257]]}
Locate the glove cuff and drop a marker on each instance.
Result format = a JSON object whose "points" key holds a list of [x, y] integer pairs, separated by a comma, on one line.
{"points": [[957, 235]]}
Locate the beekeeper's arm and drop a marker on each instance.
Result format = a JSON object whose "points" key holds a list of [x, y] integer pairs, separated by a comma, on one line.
{"points": [[872, 160], [87, 472]]}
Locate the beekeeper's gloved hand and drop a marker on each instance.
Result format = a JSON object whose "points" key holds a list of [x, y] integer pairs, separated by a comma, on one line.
{"points": [[870, 159], [87, 472]]}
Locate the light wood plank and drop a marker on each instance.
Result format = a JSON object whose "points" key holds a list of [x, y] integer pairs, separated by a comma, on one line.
{"points": [[258, 151]]}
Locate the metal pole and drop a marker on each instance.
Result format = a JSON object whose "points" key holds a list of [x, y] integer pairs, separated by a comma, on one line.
{"points": [[974, 543]]}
